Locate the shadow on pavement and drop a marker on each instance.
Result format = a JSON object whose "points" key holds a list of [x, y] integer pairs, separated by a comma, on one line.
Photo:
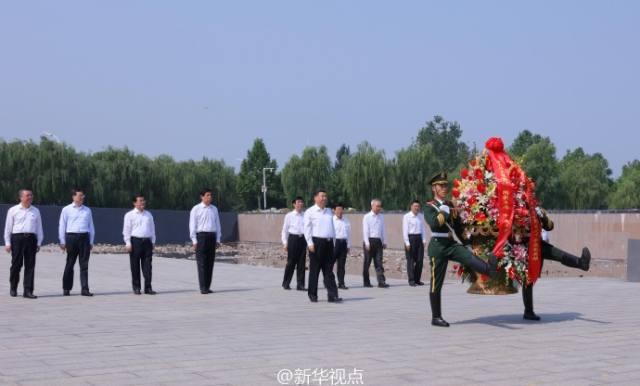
{"points": [[512, 321]]}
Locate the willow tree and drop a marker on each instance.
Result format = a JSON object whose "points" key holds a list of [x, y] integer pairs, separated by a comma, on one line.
{"points": [[302, 175], [414, 167], [364, 175]]}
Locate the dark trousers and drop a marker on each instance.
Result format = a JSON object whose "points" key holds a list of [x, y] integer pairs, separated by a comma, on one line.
{"points": [[78, 248], [23, 251], [205, 258], [340, 256], [375, 254], [296, 260], [141, 253], [320, 260], [415, 258]]}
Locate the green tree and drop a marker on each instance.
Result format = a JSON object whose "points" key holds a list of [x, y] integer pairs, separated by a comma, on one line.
{"points": [[414, 167], [626, 191], [364, 175], [584, 180], [337, 184], [523, 141], [444, 138], [250, 178], [302, 175]]}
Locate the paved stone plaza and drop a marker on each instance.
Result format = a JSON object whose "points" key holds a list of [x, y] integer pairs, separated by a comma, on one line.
{"points": [[250, 329]]}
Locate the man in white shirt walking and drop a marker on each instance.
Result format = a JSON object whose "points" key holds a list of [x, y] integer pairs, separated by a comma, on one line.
{"points": [[23, 237], [374, 239], [76, 234], [320, 235], [342, 227], [205, 233], [415, 238], [295, 245], [139, 233]]}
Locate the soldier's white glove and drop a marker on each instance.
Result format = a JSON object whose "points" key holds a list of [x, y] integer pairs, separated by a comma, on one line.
{"points": [[445, 209], [539, 212]]}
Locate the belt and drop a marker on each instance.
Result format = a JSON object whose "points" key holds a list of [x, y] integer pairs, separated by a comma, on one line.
{"points": [[77, 233], [141, 238], [327, 239], [341, 239], [23, 234], [415, 235], [205, 233], [295, 235], [441, 235]]}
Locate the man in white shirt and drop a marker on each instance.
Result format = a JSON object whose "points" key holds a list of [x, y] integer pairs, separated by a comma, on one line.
{"points": [[295, 245], [374, 239], [415, 238], [319, 233], [76, 234], [205, 233], [23, 237], [342, 227], [139, 233]]}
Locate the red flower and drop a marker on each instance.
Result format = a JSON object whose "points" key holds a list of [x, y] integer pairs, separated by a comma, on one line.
{"points": [[464, 173], [512, 273], [473, 163], [480, 217], [471, 200], [455, 193], [482, 188], [455, 267], [479, 174], [456, 183]]}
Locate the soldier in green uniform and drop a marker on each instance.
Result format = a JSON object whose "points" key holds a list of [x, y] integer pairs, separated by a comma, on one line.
{"points": [[444, 221], [550, 252]]}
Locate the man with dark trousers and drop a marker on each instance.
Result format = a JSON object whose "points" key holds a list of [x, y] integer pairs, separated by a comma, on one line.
{"points": [[320, 235], [23, 237], [374, 240], [295, 245], [415, 239], [205, 232], [76, 234], [550, 252], [139, 233], [342, 226], [444, 222]]}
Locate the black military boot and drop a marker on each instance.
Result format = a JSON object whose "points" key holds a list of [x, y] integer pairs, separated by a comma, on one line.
{"points": [[436, 311], [583, 262], [489, 268], [527, 299]]}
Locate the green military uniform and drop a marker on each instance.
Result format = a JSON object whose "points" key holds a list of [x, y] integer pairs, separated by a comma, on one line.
{"points": [[550, 252], [443, 247]]}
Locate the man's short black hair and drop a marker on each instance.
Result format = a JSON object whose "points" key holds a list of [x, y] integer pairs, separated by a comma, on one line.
{"points": [[135, 196], [205, 191], [298, 198], [77, 189], [338, 204], [318, 191], [416, 202], [24, 190]]}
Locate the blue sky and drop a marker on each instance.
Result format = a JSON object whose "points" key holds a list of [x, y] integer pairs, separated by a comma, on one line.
{"points": [[204, 78]]}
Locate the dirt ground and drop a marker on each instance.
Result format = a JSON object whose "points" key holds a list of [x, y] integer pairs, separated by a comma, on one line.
{"points": [[273, 255]]}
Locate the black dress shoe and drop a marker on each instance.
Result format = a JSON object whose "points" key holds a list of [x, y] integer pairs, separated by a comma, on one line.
{"points": [[86, 292], [344, 287], [439, 322], [368, 285], [585, 259], [13, 293], [29, 295], [209, 291], [66, 292], [150, 292], [383, 285], [298, 288], [286, 286], [204, 292], [334, 300], [530, 316], [314, 299], [412, 284], [419, 283], [136, 291]]}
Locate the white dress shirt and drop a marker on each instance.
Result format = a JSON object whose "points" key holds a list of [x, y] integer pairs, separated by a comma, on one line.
{"points": [[342, 226], [293, 225], [138, 223], [413, 224], [318, 223], [204, 218], [23, 220], [75, 219], [373, 227]]}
